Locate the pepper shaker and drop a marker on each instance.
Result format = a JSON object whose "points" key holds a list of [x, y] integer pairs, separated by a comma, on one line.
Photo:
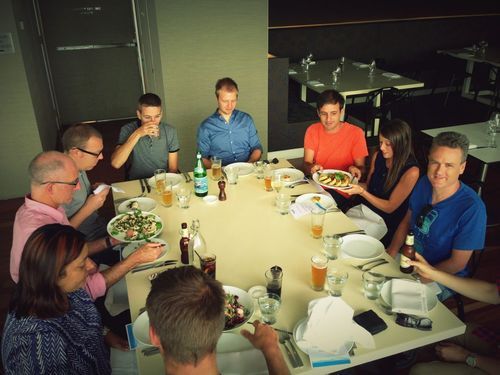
{"points": [[222, 193]]}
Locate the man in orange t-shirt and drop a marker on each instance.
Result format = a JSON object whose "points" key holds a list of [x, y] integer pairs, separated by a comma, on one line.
{"points": [[331, 143]]}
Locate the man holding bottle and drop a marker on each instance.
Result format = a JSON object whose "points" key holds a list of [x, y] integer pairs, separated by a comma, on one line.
{"points": [[228, 133], [446, 216]]}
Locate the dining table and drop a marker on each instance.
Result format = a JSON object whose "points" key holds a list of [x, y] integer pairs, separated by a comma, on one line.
{"points": [[352, 81], [249, 236]]}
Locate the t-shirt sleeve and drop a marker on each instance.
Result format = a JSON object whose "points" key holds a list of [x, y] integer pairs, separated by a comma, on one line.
{"points": [[472, 229], [95, 285], [203, 140], [125, 132], [173, 141], [253, 136], [359, 148], [310, 139]]}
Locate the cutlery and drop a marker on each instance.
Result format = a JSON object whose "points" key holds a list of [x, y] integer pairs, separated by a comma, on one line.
{"points": [[351, 232], [276, 329], [143, 188], [298, 360], [187, 176], [479, 147], [146, 185], [150, 351], [289, 354], [154, 265], [371, 264], [302, 182]]}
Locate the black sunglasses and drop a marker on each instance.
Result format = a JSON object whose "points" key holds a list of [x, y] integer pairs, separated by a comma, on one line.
{"points": [[72, 183], [423, 214], [89, 152]]}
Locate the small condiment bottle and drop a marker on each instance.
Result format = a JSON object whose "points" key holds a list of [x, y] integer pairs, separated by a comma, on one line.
{"points": [[222, 192], [184, 244]]}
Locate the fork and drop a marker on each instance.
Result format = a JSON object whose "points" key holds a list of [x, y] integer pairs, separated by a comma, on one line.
{"points": [[187, 176], [283, 339], [143, 189], [371, 264], [295, 355]]}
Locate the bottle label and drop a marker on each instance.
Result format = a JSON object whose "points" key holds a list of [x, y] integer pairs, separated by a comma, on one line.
{"points": [[200, 185], [404, 261], [410, 240]]}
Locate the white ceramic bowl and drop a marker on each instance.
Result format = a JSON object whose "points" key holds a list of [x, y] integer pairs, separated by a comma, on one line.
{"points": [[244, 299]]}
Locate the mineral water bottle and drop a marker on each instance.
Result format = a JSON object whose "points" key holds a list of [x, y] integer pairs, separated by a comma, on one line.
{"points": [[200, 178]]}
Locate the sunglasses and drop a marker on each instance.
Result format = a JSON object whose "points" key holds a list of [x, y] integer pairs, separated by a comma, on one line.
{"points": [[423, 214], [89, 152], [72, 183]]}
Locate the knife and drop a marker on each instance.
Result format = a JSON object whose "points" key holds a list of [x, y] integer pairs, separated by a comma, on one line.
{"points": [[143, 188], [351, 232], [154, 265], [147, 185]]}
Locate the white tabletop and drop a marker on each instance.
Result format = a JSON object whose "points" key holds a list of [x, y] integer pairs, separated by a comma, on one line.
{"points": [[249, 236], [492, 55], [352, 81], [477, 134]]}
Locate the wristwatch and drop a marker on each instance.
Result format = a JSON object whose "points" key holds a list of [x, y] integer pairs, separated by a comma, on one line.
{"points": [[471, 360]]}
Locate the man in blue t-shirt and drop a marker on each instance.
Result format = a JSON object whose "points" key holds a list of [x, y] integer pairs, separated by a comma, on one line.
{"points": [[447, 217], [228, 133]]}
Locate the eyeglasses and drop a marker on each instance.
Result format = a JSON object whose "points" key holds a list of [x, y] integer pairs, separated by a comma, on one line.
{"points": [[72, 183], [423, 214], [89, 152]]}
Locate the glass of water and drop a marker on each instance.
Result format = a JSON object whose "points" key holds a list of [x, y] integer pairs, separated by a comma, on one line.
{"points": [[331, 245], [269, 305], [336, 279]]}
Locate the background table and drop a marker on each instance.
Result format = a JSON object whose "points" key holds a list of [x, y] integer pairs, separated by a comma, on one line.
{"points": [[249, 236]]}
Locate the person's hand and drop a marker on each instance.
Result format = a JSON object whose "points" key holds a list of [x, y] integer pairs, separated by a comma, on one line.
{"points": [[450, 352], [355, 171], [95, 201], [149, 128], [354, 189], [423, 268], [316, 168], [146, 253], [264, 338], [112, 340]]}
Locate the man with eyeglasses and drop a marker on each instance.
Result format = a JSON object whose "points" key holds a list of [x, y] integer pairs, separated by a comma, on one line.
{"points": [[147, 144], [446, 216], [83, 144]]}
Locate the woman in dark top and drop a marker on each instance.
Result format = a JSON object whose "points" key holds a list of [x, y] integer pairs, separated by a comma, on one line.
{"points": [[393, 174]]}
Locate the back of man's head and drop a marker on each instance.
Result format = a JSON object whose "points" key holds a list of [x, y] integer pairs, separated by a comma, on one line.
{"points": [[149, 100], [77, 136], [186, 311], [452, 140], [46, 165], [226, 84]]}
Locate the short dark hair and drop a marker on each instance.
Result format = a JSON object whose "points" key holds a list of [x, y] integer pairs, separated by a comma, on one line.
{"points": [[47, 252], [227, 84], [149, 100], [452, 140], [77, 136], [330, 97], [186, 310]]}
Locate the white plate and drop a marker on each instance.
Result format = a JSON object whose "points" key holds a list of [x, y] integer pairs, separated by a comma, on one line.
{"points": [[290, 175], [316, 179], [131, 247], [244, 299], [121, 235], [391, 75], [141, 329], [361, 246], [174, 178], [145, 204], [244, 169], [360, 65], [324, 200], [298, 332], [385, 293]]}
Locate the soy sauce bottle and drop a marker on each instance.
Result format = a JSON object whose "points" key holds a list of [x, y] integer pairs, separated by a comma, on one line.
{"points": [[407, 253], [184, 244]]}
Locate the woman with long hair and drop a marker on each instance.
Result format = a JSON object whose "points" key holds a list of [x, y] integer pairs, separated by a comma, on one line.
{"points": [[53, 326], [393, 174]]}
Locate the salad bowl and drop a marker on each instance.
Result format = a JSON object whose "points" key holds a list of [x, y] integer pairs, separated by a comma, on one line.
{"points": [[238, 309]]}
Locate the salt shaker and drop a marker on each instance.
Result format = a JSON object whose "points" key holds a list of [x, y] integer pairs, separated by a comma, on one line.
{"points": [[222, 193]]}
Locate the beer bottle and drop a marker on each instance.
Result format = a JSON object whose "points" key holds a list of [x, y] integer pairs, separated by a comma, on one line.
{"points": [[200, 178], [184, 244], [407, 253]]}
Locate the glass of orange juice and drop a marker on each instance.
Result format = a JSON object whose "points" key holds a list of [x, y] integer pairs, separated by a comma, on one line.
{"points": [[268, 176], [317, 220], [166, 196], [160, 175], [319, 265]]}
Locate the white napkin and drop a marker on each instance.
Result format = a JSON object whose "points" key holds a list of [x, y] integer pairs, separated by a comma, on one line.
{"points": [[300, 209], [330, 325], [367, 219], [315, 83], [101, 187], [408, 297], [291, 71]]}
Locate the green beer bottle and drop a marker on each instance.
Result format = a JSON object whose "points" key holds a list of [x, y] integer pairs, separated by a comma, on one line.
{"points": [[200, 178]]}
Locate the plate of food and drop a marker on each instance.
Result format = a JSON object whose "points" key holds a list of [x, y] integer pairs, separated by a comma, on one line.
{"points": [[333, 179], [239, 307], [174, 178], [135, 226], [290, 175], [133, 246], [244, 169], [140, 329], [310, 199], [139, 203], [361, 246]]}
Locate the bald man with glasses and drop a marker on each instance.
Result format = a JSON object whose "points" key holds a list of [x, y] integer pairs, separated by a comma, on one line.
{"points": [[84, 145]]}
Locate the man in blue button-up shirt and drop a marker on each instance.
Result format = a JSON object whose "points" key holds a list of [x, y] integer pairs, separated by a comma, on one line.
{"points": [[228, 134]]}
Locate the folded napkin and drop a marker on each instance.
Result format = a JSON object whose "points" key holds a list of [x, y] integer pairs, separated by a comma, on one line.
{"points": [[300, 209], [315, 83], [367, 219], [101, 187], [409, 297]]}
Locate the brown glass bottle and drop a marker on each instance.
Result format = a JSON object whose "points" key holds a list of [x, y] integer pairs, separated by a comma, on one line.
{"points": [[407, 253], [184, 244]]}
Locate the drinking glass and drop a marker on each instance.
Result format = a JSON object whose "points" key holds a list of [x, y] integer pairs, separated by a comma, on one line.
{"points": [[268, 175], [160, 176], [317, 220], [183, 197], [319, 264], [167, 194], [336, 279], [274, 279], [259, 169], [372, 284], [232, 175], [269, 305], [208, 264], [331, 245], [216, 168], [283, 203], [277, 182]]}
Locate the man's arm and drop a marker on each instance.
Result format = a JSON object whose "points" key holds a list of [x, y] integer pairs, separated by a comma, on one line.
{"points": [[123, 151], [92, 204], [146, 253], [400, 235], [255, 155], [309, 167], [451, 352], [173, 162], [358, 169], [456, 262]]}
